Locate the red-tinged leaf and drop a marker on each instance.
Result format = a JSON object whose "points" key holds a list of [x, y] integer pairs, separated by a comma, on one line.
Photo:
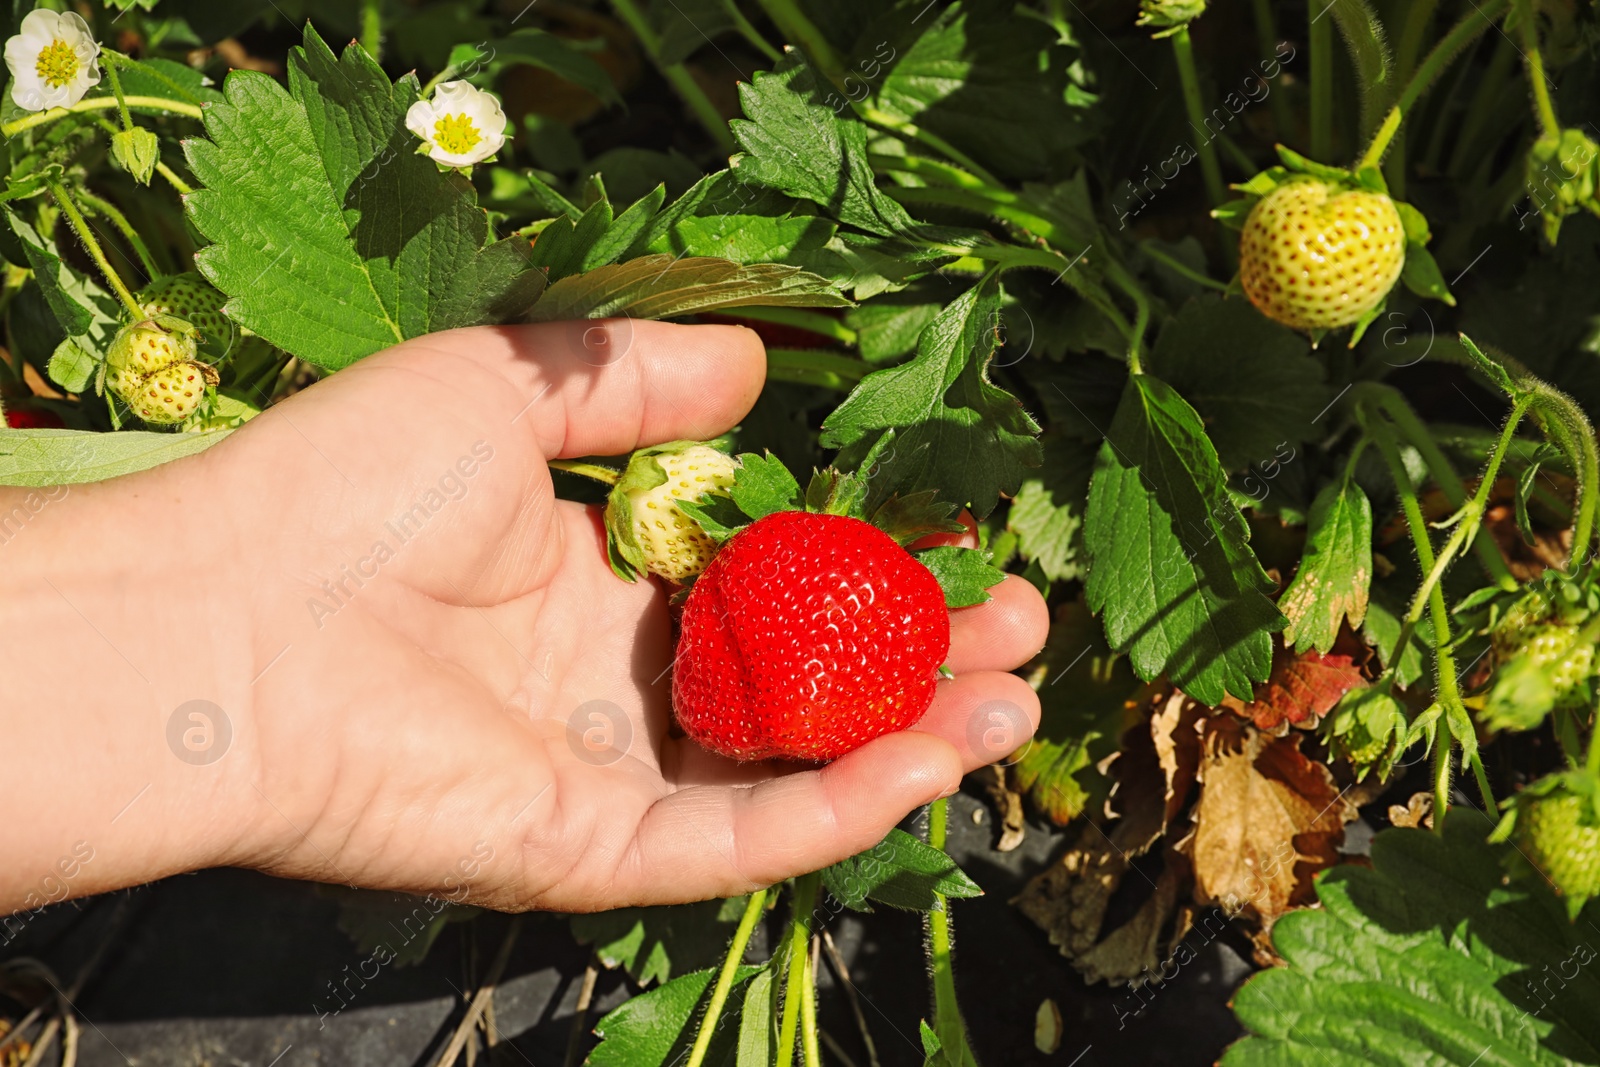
{"points": [[1301, 690]]}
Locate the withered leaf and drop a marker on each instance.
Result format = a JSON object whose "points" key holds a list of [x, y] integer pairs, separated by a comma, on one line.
{"points": [[1267, 820], [1301, 690]]}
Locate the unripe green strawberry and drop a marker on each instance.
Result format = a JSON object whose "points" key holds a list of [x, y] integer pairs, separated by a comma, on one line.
{"points": [[191, 298], [1316, 256], [151, 365], [648, 531], [1534, 630], [1559, 834]]}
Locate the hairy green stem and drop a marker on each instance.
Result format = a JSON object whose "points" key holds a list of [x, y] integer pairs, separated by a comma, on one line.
{"points": [[800, 30], [1447, 688], [677, 76], [1321, 46], [748, 31], [1471, 519], [70, 209], [97, 103], [933, 170], [1267, 42], [947, 1022], [1182, 269], [809, 366], [372, 28], [900, 126], [1471, 26], [604, 475], [124, 227], [183, 187], [1484, 789], [730, 968], [798, 946], [1393, 404], [116, 90], [1210, 169], [1538, 81]]}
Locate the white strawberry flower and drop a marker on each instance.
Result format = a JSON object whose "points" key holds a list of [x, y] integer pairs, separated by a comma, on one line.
{"points": [[460, 126], [54, 60]]}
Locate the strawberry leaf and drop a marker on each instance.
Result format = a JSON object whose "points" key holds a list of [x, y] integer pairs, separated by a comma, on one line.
{"points": [[1170, 565], [1301, 689], [658, 1028], [1047, 515], [763, 485], [331, 236], [595, 239], [1335, 572], [899, 871], [1254, 382], [72, 457], [1426, 957], [652, 944], [957, 432], [659, 287], [799, 146], [964, 574]]}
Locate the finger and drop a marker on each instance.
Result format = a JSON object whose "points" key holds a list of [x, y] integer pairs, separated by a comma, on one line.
{"points": [[731, 840], [1000, 635], [985, 716], [609, 386]]}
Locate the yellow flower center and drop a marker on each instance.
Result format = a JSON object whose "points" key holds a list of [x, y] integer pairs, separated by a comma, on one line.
{"points": [[58, 64], [456, 134]]}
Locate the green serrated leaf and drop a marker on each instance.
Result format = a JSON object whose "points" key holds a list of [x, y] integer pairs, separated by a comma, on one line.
{"points": [[1170, 565], [1083, 689], [899, 871], [1255, 383], [1335, 571], [965, 574], [958, 432], [658, 1028], [1047, 515], [332, 238], [653, 944], [1426, 957], [658, 287], [394, 928], [763, 485], [71, 367], [797, 145], [72, 457]]}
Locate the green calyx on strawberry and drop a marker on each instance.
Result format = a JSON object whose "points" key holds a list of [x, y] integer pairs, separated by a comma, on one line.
{"points": [[1544, 654], [814, 629], [1321, 247], [1169, 16], [646, 531], [153, 367], [1563, 177], [1555, 824], [191, 298], [1368, 728]]}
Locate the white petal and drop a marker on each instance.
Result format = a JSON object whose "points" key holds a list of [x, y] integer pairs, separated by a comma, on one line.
{"points": [[420, 118]]}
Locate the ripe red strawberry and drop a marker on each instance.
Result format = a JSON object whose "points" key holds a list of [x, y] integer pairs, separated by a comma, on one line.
{"points": [[1315, 256], [806, 637], [30, 418]]}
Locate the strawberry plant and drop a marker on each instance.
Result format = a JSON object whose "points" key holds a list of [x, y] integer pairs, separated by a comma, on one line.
{"points": [[1259, 337]]}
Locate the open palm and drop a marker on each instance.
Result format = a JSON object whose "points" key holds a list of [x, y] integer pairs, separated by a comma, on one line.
{"points": [[454, 694]]}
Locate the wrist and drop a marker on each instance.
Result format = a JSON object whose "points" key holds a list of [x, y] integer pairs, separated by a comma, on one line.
{"points": [[122, 665]]}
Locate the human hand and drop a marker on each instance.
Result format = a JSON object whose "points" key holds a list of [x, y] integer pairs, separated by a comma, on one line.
{"points": [[410, 637]]}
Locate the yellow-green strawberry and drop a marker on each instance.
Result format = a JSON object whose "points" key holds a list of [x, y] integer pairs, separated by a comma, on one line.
{"points": [[189, 297], [1535, 631], [1560, 834], [647, 529], [1318, 256], [151, 365]]}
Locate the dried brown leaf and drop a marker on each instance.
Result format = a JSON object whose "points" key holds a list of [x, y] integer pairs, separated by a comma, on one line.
{"points": [[1267, 820], [1007, 804]]}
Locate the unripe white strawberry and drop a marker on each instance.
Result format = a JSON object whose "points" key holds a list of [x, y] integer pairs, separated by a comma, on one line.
{"points": [[674, 545], [151, 365], [1317, 256], [647, 529]]}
